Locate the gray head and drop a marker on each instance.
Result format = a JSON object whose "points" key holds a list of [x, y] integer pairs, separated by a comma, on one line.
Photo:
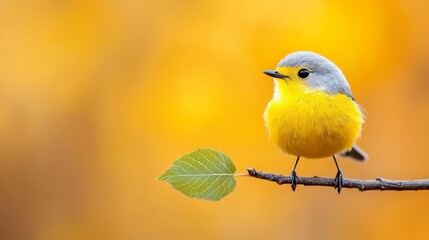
{"points": [[317, 72]]}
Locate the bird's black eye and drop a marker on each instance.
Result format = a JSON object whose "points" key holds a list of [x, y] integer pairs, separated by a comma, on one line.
{"points": [[303, 73]]}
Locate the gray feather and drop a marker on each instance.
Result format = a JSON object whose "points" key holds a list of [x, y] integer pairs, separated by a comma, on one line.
{"points": [[355, 153]]}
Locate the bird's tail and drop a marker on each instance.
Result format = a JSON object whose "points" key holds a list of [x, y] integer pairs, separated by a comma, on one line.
{"points": [[355, 153]]}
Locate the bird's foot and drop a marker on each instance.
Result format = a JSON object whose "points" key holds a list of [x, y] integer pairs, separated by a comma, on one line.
{"points": [[339, 181], [294, 180]]}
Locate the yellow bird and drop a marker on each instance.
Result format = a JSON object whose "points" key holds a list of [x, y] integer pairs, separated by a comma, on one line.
{"points": [[313, 113]]}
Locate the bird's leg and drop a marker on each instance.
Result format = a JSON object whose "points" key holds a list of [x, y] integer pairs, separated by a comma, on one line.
{"points": [[338, 178], [293, 176]]}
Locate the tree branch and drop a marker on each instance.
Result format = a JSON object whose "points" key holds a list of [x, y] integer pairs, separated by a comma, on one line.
{"points": [[362, 185]]}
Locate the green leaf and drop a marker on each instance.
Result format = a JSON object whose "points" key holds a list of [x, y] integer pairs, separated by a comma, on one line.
{"points": [[204, 173]]}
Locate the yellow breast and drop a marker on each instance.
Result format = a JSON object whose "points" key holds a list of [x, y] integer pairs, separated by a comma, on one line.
{"points": [[312, 123]]}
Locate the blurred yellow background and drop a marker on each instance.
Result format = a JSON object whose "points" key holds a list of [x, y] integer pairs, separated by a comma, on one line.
{"points": [[98, 98]]}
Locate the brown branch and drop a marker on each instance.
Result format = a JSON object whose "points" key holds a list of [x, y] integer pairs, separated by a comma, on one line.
{"points": [[362, 185]]}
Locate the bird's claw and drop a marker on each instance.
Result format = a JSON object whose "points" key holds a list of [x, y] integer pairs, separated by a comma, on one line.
{"points": [[294, 180], [339, 181]]}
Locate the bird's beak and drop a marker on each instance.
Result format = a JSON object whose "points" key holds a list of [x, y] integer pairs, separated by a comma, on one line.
{"points": [[274, 73]]}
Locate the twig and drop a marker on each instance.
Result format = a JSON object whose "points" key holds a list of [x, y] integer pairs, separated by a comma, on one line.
{"points": [[362, 185]]}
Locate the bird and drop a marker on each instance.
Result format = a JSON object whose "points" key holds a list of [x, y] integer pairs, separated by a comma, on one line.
{"points": [[313, 113]]}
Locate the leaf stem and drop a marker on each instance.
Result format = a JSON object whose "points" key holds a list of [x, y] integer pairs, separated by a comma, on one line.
{"points": [[241, 175]]}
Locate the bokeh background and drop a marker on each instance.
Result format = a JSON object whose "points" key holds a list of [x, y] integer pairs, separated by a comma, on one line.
{"points": [[98, 98]]}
